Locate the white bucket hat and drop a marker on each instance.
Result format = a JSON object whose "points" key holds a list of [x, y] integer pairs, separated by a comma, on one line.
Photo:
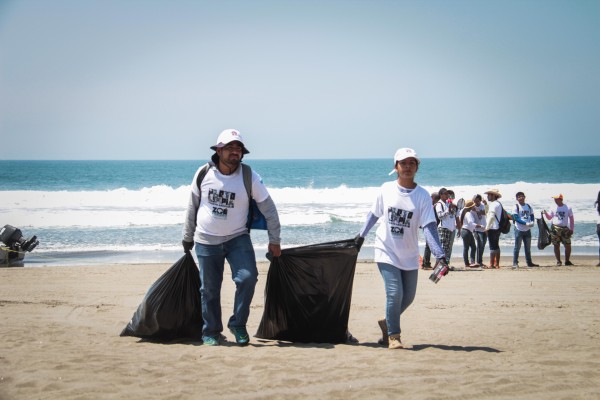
{"points": [[403, 154], [228, 136]]}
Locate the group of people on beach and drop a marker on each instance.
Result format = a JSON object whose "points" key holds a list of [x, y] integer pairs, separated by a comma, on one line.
{"points": [[477, 221], [217, 217], [216, 228]]}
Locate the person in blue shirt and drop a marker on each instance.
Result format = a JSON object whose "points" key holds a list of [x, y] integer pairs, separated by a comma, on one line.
{"points": [[524, 220]]}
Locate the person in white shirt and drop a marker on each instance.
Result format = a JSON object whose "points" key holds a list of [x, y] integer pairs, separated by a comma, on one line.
{"points": [[216, 223], [563, 226], [468, 218], [492, 226], [480, 234], [405, 207], [524, 220], [597, 205], [446, 213]]}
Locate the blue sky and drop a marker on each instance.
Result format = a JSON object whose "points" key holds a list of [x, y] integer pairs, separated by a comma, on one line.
{"points": [[133, 79]]}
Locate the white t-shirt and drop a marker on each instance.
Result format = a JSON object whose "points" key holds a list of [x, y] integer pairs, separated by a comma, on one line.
{"points": [[494, 213], [480, 217], [224, 204], [448, 218], [469, 221], [560, 217], [524, 212], [396, 239]]}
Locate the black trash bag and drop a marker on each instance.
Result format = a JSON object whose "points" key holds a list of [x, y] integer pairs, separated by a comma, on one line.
{"points": [[308, 293], [171, 308], [544, 238]]}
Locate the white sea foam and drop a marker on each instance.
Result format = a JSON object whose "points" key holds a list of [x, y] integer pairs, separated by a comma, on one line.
{"points": [[163, 205]]}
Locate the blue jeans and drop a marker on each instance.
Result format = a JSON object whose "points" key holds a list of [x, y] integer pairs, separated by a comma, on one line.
{"points": [[468, 246], [598, 233], [239, 253], [524, 237], [481, 239], [400, 290]]}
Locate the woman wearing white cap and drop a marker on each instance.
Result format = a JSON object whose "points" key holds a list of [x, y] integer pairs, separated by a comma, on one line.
{"points": [[406, 207]]}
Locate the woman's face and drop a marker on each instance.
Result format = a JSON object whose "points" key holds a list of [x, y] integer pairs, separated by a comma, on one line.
{"points": [[407, 168]]}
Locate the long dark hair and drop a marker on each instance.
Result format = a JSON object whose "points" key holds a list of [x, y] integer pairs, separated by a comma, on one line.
{"points": [[597, 203]]}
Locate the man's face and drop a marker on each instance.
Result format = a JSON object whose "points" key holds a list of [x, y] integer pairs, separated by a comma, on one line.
{"points": [[521, 199], [231, 153]]}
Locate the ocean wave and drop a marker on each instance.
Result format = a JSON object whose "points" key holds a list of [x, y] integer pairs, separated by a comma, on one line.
{"points": [[164, 205]]}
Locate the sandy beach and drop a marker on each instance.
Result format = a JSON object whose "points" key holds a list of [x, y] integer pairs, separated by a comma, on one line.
{"points": [[485, 334]]}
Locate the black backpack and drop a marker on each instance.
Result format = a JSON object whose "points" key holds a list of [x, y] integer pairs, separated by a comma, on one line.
{"points": [[504, 221]]}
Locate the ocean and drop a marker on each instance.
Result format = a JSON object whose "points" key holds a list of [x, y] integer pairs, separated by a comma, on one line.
{"points": [[99, 212]]}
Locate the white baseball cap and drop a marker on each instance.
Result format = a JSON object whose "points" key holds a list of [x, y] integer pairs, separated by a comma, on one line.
{"points": [[403, 154], [228, 136]]}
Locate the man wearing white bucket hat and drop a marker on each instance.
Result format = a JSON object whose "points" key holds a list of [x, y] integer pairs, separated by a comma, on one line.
{"points": [[217, 223], [406, 207]]}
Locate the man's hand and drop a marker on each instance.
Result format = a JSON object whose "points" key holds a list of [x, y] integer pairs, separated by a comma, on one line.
{"points": [[275, 249], [358, 240], [187, 246]]}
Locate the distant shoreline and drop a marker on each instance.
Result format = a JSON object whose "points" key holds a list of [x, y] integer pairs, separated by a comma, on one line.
{"points": [[83, 258]]}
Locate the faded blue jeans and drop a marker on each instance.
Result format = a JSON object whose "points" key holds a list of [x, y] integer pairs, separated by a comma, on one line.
{"points": [[481, 239], [469, 246], [239, 253], [400, 290], [525, 237]]}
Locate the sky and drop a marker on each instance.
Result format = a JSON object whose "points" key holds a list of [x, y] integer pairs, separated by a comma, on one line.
{"points": [[150, 79]]}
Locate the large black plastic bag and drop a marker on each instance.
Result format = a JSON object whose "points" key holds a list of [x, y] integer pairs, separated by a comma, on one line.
{"points": [[308, 293], [171, 308], [543, 234]]}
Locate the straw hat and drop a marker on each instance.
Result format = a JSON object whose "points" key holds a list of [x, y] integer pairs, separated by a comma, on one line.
{"points": [[495, 192], [469, 204]]}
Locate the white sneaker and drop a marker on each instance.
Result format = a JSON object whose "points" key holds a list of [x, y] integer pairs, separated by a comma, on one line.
{"points": [[395, 342]]}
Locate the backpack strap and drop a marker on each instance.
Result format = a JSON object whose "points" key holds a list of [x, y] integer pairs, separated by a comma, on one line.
{"points": [[247, 172], [201, 176], [501, 212]]}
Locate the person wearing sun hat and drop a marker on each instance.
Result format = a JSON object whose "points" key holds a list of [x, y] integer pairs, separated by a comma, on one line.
{"points": [[468, 221], [563, 226], [404, 207], [492, 227]]}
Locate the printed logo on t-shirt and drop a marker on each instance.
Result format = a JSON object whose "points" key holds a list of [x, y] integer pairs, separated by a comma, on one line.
{"points": [[524, 213], [561, 215], [221, 201], [398, 219]]}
